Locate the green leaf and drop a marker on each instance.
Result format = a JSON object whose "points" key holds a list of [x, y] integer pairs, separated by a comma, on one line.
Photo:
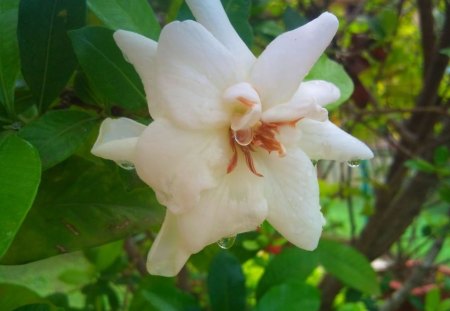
{"points": [[291, 264], [329, 70], [349, 266], [441, 155], [45, 50], [106, 68], [58, 134], [432, 299], [445, 51], [20, 171], [292, 19], [161, 294], [238, 12], [291, 296], [9, 53], [15, 296], [420, 165], [136, 16], [226, 283], [82, 205]]}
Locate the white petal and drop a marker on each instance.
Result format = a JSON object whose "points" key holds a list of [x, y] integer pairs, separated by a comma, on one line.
{"points": [[180, 164], [212, 15], [236, 205], [117, 139], [168, 253], [141, 53], [292, 192], [279, 70], [324, 140], [318, 92], [193, 71]]}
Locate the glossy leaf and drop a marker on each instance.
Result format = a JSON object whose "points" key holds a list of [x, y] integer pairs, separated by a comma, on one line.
{"points": [[82, 205], [290, 296], [15, 296], [9, 53], [291, 264], [58, 134], [106, 68], [329, 70], [349, 266], [46, 54], [20, 171], [226, 283], [136, 16]]}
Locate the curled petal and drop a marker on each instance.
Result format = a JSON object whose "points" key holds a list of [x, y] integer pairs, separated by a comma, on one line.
{"points": [[292, 192], [281, 67], [141, 53], [324, 140], [117, 139], [168, 253], [213, 17], [179, 164], [317, 92], [193, 71]]}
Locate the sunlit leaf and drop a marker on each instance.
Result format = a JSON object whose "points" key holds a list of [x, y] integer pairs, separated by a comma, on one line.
{"points": [[349, 266], [136, 16], [20, 171], [46, 54]]}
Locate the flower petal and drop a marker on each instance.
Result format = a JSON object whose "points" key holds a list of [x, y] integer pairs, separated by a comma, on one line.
{"points": [[279, 70], [179, 165], [193, 71], [292, 192], [117, 139], [168, 253], [318, 92], [213, 17], [324, 140], [141, 53], [236, 205]]}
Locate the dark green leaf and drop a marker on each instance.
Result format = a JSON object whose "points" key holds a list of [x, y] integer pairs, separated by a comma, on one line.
{"points": [[420, 165], [81, 205], [291, 264], [35, 307], [161, 294], [290, 296], [328, 70], [15, 296], [58, 134], [226, 283], [45, 50], [136, 16], [106, 68], [441, 155], [20, 171], [9, 53], [292, 19], [349, 266]]}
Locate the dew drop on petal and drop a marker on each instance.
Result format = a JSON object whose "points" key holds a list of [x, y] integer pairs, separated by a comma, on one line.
{"points": [[126, 165], [353, 163], [244, 137], [226, 243]]}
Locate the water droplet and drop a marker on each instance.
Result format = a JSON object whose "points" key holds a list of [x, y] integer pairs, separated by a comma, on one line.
{"points": [[226, 243], [244, 137], [314, 162], [353, 163], [126, 165]]}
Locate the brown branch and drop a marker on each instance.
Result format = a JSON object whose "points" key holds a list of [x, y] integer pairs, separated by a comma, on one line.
{"points": [[135, 256], [425, 8]]}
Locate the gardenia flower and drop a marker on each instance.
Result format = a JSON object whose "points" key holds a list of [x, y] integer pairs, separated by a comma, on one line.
{"points": [[233, 135]]}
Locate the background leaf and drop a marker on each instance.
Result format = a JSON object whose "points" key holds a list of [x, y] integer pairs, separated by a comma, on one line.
{"points": [[226, 283], [15, 296], [328, 70], [45, 50], [9, 53], [58, 134], [292, 264], [290, 296], [106, 68], [20, 171], [349, 266], [82, 205], [136, 16]]}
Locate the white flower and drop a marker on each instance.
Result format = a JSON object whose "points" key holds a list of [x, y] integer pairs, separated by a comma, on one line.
{"points": [[232, 136]]}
